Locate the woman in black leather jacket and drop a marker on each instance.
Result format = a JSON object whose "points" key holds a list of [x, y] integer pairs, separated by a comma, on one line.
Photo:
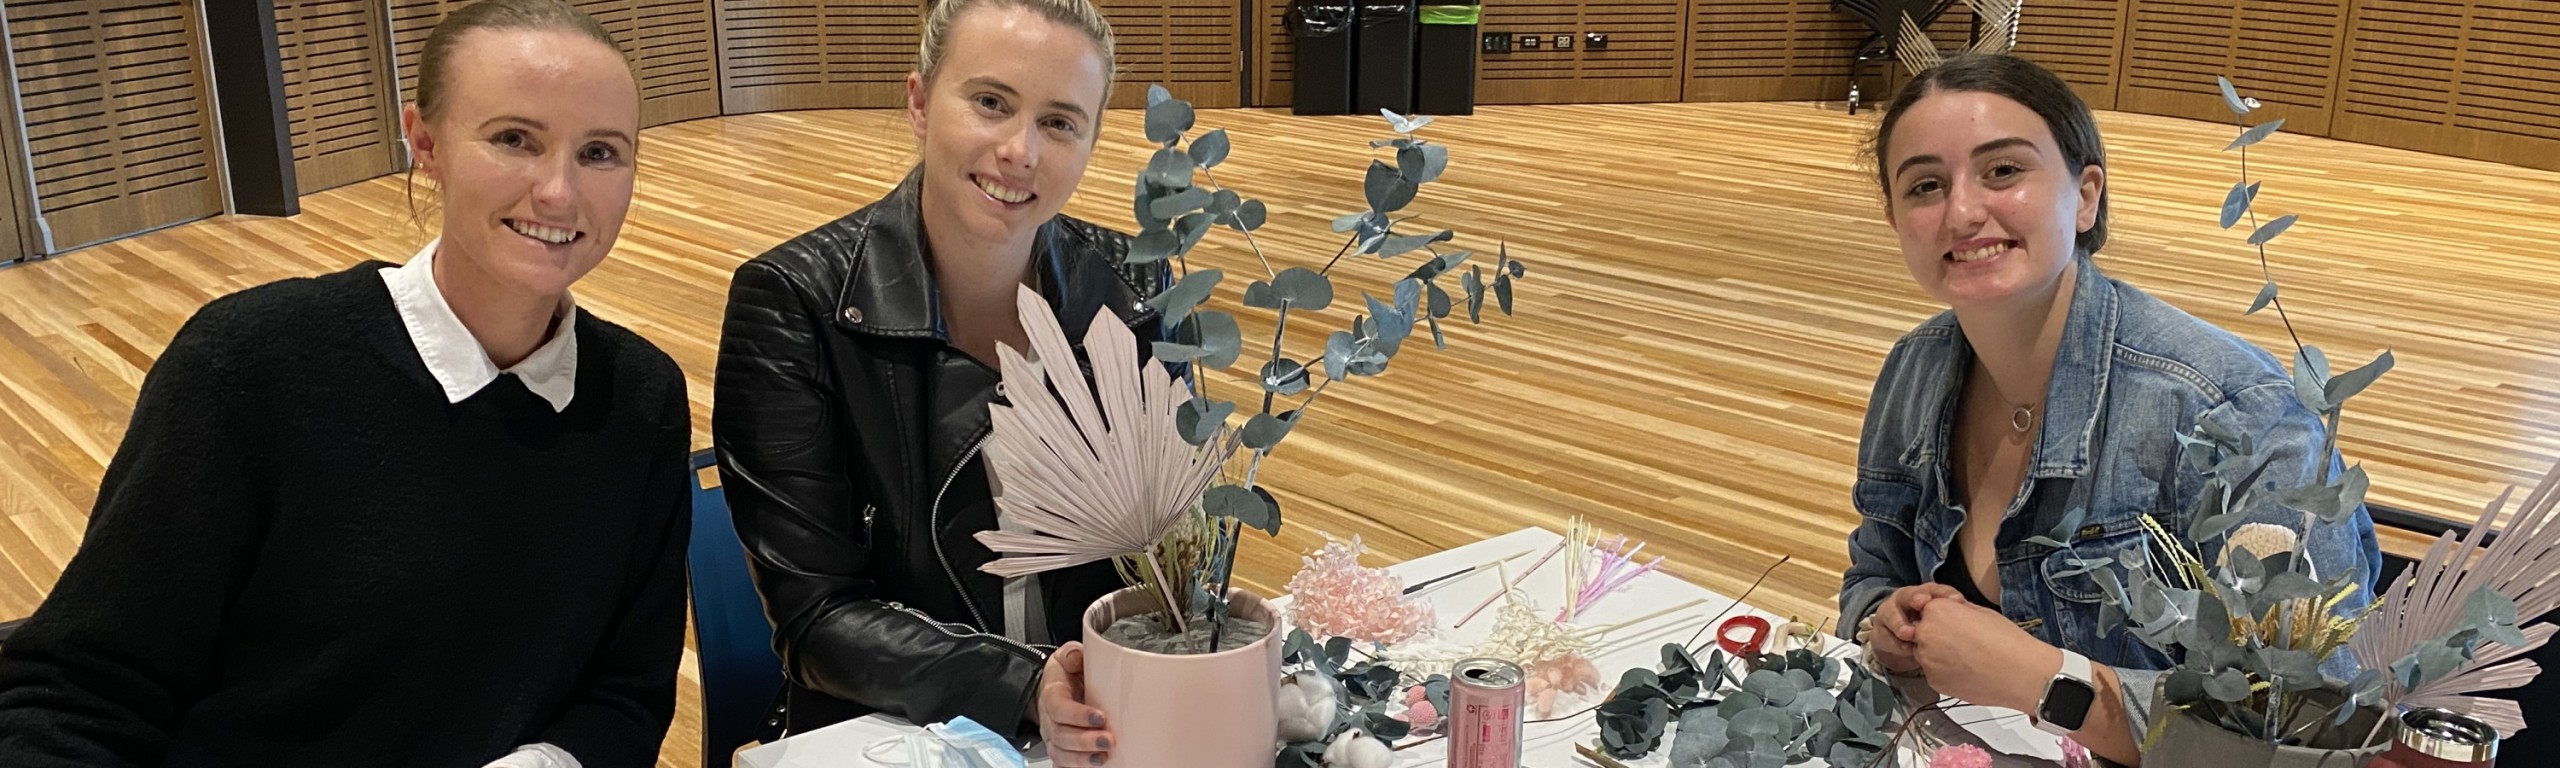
{"points": [[856, 366]]}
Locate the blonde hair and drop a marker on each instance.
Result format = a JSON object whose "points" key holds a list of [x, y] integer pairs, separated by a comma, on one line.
{"points": [[1080, 15]]}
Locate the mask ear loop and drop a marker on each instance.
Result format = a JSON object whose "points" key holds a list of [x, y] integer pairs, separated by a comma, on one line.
{"points": [[873, 753]]}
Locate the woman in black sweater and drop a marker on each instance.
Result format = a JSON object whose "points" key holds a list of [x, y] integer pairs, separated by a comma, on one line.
{"points": [[426, 515]]}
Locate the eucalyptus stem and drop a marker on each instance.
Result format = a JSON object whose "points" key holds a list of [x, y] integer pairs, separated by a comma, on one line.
{"points": [[1248, 234]]}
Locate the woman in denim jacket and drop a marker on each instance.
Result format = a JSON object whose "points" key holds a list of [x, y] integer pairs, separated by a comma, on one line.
{"points": [[2046, 387]]}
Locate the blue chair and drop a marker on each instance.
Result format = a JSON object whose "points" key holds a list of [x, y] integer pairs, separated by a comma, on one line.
{"points": [[741, 677]]}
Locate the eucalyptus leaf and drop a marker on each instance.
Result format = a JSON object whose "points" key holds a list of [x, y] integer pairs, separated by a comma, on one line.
{"points": [[1337, 354], [1249, 216], [2231, 96], [1502, 291], [1210, 149], [1304, 288], [1180, 203], [1175, 352], [1284, 377], [2290, 670], [1191, 228], [1218, 337], [1167, 119], [2310, 377], [1156, 94], [1398, 245], [2266, 295], [2494, 614], [2348, 384], [1762, 723], [1224, 202], [1435, 160], [1251, 506], [2210, 527], [2351, 489], [1200, 418], [2183, 686], [1349, 221], [2270, 230], [2068, 528], [2227, 686], [1387, 190], [1186, 294], [2236, 204], [1403, 124], [1153, 246], [1265, 430], [1170, 169], [1259, 295], [1409, 299], [1437, 301], [2367, 688], [2255, 134]]}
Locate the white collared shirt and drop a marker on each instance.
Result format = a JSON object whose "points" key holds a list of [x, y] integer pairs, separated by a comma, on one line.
{"points": [[456, 359]]}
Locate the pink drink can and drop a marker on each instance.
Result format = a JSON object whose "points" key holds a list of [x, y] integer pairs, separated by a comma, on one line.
{"points": [[1486, 699]]}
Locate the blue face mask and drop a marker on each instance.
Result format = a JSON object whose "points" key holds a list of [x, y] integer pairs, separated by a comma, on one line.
{"points": [[961, 743]]}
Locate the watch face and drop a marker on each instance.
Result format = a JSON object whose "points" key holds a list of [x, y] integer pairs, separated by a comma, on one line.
{"points": [[2066, 703]]}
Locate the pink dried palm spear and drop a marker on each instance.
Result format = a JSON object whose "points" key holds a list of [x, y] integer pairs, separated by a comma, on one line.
{"points": [[1088, 473], [2428, 601]]}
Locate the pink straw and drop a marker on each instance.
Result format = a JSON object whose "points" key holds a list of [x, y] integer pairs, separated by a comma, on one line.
{"points": [[1515, 584]]}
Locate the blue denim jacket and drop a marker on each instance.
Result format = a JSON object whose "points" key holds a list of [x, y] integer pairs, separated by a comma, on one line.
{"points": [[2131, 373]]}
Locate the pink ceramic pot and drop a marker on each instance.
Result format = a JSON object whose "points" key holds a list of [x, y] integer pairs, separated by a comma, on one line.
{"points": [[1216, 710]]}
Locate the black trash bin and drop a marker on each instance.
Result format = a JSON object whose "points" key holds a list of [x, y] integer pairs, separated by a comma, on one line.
{"points": [[1320, 83], [1385, 66], [1445, 58]]}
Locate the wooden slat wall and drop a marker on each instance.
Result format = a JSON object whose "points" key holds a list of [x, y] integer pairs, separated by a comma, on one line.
{"points": [[337, 77], [670, 44], [2081, 40], [1194, 48], [118, 122], [815, 54], [2470, 79], [672, 49], [2285, 50], [1641, 63], [1274, 60], [1769, 50]]}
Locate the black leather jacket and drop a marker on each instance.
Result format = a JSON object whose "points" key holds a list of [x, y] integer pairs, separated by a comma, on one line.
{"points": [[849, 430]]}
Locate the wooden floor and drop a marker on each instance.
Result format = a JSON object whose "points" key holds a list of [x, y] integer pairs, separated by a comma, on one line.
{"points": [[1711, 290]]}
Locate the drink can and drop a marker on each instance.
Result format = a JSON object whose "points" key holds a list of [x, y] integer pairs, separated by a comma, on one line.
{"points": [[1486, 700]]}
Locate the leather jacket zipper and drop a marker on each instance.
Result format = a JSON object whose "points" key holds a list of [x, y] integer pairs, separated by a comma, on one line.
{"points": [[933, 521]]}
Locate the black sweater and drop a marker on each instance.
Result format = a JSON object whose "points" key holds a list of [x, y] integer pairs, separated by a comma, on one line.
{"points": [[303, 555]]}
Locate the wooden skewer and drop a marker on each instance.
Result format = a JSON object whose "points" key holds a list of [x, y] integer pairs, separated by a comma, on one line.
{"points": [[1602, 630]]}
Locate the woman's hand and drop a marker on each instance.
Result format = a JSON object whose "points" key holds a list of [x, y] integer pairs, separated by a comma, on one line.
{"points": [[1978, 655], [1073, 729], [1895, 621]]}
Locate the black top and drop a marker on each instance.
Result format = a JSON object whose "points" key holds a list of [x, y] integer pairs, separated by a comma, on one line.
{"points": [[1953, 573], [303, 555]]}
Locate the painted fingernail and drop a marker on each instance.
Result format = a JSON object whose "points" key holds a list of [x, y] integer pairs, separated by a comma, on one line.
{"points": [[1103, 744], [1096, 720]]}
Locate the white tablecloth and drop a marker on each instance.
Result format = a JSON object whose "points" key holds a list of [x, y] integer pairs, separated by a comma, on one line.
{"points": [[1545, 746]]}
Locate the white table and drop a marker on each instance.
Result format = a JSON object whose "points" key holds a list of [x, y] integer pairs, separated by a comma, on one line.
{"points": [[1545, 746]]}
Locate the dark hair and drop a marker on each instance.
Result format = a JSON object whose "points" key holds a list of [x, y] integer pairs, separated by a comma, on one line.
{"points": [[2074, 129], [489, 14]]}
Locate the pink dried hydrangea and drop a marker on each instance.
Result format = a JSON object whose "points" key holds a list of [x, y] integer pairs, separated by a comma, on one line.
{"points": [[1960, 756], [1335, 596]]}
